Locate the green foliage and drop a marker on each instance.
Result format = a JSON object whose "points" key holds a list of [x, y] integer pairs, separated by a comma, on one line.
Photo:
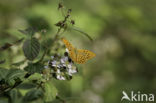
{"points": [[35, 76], [14, 96], [3, 73], [31, 48], [18, 63], [11, 76], [124, 38], [50, 91], [34, 68], [14, 75], [28, 32], [33, 95], [33, 82]]}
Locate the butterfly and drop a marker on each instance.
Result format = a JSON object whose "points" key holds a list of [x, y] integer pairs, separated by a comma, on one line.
{"points": [[79, 56]]}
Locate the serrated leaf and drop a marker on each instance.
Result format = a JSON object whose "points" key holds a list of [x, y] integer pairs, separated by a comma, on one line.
{"points": [[3, 73], [11, 82], [34, 68], [33, 95], [35, 76], [31, 48], [18, 63], [14, 96], [13, 75], [26, 85], [50, 91]]}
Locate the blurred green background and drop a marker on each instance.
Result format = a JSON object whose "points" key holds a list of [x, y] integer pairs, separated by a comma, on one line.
{"points": [[124, 43]]}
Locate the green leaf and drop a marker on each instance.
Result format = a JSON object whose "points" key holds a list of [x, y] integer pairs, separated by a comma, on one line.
{"points": [[3, 73], [35, 76], [14, 96], [50, 91], [26, 85], [13, 75], [19, 63], [28, 31], [33, 95], [31, 48], [34, 68]]}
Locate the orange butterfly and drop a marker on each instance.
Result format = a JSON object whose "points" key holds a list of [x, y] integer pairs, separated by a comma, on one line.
{"points": [[79, 56]]}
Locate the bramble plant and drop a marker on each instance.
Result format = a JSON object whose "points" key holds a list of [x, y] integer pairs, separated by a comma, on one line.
{"points": [[38, 73]]}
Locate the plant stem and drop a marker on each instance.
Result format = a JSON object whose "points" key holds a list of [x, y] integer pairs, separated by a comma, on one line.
{"points": [[57, 34]]}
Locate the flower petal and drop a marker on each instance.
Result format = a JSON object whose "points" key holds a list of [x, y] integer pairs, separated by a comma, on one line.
{"points": [[67, 50], [46, 67], [62, 60], [52, 57], [60, 77]]}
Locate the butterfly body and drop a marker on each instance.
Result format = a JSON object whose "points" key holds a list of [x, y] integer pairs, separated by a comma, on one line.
{"points": [[79, 56]]}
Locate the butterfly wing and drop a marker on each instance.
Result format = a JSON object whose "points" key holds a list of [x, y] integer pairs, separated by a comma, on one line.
{"points": [[70, 48], [79, 56], [83, 55]]}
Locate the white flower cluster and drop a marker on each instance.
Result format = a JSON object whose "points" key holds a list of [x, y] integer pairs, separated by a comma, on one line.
{"points": [[62, 68]]}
